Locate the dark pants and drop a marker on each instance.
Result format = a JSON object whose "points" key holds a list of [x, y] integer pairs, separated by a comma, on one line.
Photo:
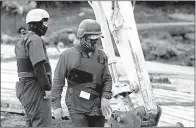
{"points": [[82, 120], [37, 109], [43, 117]]}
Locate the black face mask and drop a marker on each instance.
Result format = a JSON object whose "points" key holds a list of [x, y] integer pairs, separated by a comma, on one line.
{"points": [[88, 45], [43, 30], [38, 28]]}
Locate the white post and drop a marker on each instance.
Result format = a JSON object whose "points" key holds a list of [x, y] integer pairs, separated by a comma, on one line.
{"points": [[128, 43], [106, 41]]}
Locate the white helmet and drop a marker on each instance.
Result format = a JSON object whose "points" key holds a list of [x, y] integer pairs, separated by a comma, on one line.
{"points": [[36, 15]]}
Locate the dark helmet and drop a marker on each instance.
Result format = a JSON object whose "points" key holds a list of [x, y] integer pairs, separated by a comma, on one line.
{"points": [[89, 27]]}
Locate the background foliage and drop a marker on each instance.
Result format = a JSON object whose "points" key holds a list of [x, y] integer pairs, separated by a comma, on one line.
{"points": [[65, 15]]}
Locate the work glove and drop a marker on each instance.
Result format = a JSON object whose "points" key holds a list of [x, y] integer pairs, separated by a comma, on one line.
{"points": [[105, 106], [47, 95], [58, 113]]}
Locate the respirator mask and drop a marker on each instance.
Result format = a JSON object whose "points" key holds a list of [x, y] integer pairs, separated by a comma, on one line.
{"points": [[88, 42]]}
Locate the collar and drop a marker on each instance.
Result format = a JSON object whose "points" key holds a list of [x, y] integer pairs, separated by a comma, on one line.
{"points": [[83, 53]]}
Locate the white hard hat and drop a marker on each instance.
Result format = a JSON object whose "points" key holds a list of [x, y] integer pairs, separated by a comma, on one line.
{"points": [[36, 15]]}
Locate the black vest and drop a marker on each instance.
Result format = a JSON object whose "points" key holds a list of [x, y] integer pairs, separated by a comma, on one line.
{"points": [[24, 65]]}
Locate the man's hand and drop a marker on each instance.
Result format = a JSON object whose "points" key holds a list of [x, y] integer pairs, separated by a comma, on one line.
{"points": [[47, 95], [105, 106], [58, 113]]}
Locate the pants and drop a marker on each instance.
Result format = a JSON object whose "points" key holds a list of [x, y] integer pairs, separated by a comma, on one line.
{"points": [[82, 120], [42, 118], [37, 109]]}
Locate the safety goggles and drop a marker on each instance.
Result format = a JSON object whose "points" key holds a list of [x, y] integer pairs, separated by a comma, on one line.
{"points": [[94, 37]]}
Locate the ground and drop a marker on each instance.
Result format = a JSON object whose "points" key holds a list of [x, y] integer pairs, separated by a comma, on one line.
{"points": [[174, 103], [70, 17]]}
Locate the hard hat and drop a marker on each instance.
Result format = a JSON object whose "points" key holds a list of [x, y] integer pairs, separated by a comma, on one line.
{"points": [[90, 27], [36, 15]]}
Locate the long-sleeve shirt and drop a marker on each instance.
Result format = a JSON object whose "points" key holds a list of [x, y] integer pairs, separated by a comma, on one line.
{"points": [[69, 59]]}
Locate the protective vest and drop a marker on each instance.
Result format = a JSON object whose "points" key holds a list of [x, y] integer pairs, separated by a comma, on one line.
{"points": [[86, 76], [24, 65]]}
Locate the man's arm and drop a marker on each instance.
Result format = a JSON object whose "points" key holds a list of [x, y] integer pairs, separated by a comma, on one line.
{"points": [[58, 82], [41, 74], [107, 90], [38, 57], [107, 81]]}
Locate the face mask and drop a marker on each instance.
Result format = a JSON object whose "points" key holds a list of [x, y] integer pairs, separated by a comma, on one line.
{"points": [[43, 30], [44, 27], [88, 45], [39, 28]]}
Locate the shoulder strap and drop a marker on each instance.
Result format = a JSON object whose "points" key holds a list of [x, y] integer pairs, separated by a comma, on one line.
{"points": [[25, 42], [101, 57], [79, 50]]}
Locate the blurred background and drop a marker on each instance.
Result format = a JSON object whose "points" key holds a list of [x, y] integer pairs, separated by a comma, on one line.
{"points": [[169, 52], [169, 46]]}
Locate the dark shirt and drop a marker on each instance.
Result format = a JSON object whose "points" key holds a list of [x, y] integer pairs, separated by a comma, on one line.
{"points": [[68, 60]]}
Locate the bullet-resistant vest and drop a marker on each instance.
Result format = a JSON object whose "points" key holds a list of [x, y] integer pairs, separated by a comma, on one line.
{"points": [[24, 65], [86, 76], [88, 73]]}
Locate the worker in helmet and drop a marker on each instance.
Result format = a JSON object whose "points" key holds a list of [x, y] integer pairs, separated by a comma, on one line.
{"points": [[89, 82], [34, 71]]}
